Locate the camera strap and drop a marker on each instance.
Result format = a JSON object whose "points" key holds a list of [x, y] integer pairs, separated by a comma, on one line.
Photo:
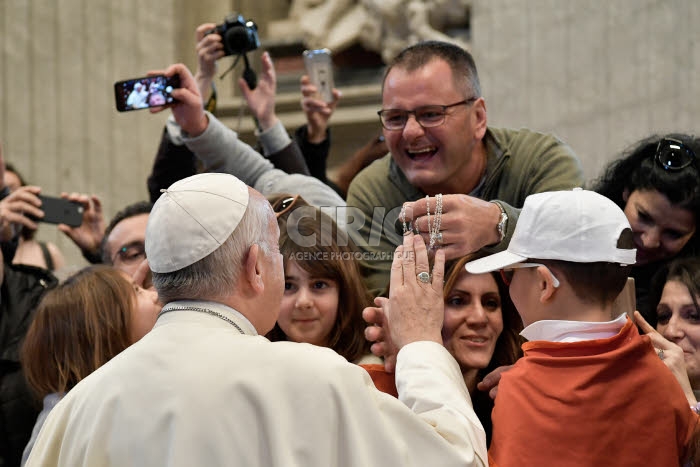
{"points": [[210, 106], [228, 70]]}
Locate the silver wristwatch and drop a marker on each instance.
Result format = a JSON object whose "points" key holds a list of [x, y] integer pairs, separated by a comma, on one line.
{"points": [[502, 225]]}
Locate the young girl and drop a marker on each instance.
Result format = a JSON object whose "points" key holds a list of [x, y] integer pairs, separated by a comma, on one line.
{"points": [[324, 295], [78, 327]]}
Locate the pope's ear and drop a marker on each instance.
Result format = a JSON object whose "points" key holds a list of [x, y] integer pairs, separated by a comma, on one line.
{"points": [[253, 268]]}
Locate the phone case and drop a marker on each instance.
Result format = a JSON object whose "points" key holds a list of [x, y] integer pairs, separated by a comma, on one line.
{"points": [[145, 92], [319, 67], [61, 211]]}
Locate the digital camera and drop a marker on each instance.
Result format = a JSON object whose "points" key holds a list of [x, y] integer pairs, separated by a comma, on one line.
{"points": [[238, 35]]}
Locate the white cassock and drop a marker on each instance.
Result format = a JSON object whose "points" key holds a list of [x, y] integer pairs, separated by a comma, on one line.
{"points": [[196, 391]]}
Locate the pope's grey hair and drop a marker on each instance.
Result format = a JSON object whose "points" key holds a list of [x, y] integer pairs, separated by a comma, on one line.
{"points": [[214, 276]]}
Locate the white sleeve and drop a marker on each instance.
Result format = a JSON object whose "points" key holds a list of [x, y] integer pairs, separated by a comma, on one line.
{"points": [[430, 383]]}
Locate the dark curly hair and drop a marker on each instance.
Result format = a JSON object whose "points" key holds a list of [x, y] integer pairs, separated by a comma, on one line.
{"points": [[638, 169]]}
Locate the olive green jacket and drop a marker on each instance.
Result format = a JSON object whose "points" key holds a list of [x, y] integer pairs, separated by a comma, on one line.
{"points": [[520, 163]]}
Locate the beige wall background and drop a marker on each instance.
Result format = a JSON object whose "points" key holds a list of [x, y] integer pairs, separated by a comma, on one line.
{"points": [[600, 74]]}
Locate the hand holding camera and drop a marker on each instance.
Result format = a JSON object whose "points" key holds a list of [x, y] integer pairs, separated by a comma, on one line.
{"points": [[209, 49], [238, 37]]}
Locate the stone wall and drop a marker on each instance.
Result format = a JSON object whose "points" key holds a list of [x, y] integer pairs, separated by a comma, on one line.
{"points": [[600, 74]]}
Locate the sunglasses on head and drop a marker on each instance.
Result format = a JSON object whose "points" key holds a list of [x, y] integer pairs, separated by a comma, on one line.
{"points": [[284, 205], [673, 155]]}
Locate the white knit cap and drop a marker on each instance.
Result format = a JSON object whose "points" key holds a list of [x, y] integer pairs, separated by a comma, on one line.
{"points": [[579, 226], [193, 218]]}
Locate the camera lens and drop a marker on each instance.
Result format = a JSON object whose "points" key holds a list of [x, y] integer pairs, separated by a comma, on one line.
{"points": [[237, 39]]}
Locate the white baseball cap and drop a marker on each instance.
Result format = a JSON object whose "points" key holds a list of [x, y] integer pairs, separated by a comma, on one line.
{"points": [[193, 218], [579, 226]]}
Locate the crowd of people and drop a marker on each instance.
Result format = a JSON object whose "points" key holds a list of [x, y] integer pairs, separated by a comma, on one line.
{"points": [[450, 297]]}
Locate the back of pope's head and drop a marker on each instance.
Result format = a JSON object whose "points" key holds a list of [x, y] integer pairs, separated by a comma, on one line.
{"points": [[199, 234]]}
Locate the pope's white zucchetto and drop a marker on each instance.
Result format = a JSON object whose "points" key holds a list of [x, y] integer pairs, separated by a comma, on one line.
{"points": [[193, 218]]}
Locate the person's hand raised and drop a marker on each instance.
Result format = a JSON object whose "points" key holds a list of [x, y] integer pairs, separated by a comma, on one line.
{"points": [[188, 109], [88, 235], [209, 49], [261, 100], [318, 112], [416, 304]]}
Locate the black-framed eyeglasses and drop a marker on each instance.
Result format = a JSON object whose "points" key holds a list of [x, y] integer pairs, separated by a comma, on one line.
{"points": [[130, 253], [427, 116], [283, 205], [672, 154]]}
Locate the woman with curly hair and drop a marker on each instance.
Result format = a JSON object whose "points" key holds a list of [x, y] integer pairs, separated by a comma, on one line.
{"points": [[655, 182]]}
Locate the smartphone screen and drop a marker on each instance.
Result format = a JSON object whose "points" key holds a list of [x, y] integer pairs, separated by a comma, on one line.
{"points": [[142, 93], [319, 67]]}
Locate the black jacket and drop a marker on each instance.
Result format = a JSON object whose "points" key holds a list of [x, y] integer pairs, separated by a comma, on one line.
{"points": [[20, 292]]}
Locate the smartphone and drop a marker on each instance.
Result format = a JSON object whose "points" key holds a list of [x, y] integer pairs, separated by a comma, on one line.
{"points": [[145, 92], [319, 67], [60, 211]]}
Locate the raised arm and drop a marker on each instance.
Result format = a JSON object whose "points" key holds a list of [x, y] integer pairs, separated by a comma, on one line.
{"points": [[413, 317], [220, 149]]}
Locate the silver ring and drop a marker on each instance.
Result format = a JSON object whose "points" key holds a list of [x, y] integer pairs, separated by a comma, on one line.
{"points": [[424, 277], [438, 237], [661, 354]]}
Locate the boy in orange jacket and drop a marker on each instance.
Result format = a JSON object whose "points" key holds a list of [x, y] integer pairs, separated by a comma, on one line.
{"points": [[589, 390]]}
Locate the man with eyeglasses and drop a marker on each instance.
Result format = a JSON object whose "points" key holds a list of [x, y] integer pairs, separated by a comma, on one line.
{"points": [[123, 242], [434, 121]]}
